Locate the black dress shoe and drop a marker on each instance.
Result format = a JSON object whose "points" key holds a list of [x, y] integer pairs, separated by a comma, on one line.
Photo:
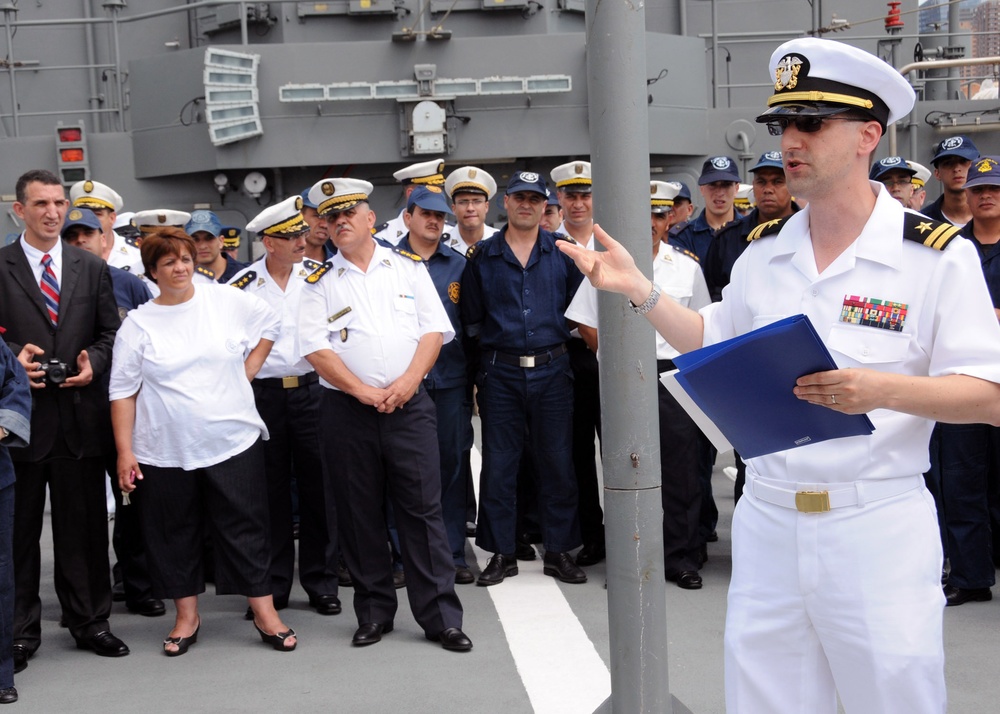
{"points": [[104, 644], [960, 596], [399, 579], [686, 579], [277, 640], [148, 608], [118, 592], [591, 554], [182, 643], [452, 639], [464, 576], [326, 604], [499, 567], [344, 579], [21, 656], [370, 633], [524, 551], [8, 695], [470, 529], [560, 565], [712, 537]]}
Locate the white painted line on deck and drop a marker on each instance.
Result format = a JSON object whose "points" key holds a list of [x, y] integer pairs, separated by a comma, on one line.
{"points": [[559, 665]]}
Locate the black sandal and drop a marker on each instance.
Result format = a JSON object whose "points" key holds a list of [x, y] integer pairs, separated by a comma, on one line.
{"points": [[277, 641], [182, 643]]}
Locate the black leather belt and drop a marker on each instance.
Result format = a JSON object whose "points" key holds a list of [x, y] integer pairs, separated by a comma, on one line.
{"points": [[288, 382], [536, 360]]}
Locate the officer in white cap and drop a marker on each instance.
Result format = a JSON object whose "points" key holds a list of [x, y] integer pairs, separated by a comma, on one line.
{"points": [[920, 180], [574, 191], [231, 242], [681, 277], [470, 190], [106, 204], [425, 173], [286, 392], [372, 326], [837, 557]]}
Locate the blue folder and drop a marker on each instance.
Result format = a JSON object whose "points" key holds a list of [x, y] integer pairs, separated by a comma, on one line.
{"points": [[744, 385]]}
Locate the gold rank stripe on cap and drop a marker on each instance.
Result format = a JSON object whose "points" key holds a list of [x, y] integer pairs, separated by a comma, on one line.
{"points": [[917, 182], [434, 180], [816, 96], [577, 181], [466, 185], [339, 203], [660, 202], [92, 202], [292, 226]]}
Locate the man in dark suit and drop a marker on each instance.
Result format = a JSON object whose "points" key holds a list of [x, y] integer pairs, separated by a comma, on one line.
{"points": [[57, 304]]}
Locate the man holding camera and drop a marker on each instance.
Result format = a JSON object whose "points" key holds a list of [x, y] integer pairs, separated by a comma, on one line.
{"points": [[57, 306]]}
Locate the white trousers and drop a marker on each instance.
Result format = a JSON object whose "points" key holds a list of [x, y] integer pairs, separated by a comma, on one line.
{"points": [[848, 601]]}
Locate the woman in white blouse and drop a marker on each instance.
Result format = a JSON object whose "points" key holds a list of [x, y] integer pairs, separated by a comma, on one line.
{"points": [[186, 428]]}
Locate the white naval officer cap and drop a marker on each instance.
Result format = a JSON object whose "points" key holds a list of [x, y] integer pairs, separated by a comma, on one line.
{"points": [[574, 176], [816, 77], [662, 195], [426, 172], [339, 194], [152, 220], [922, 176], [743, 193], [470, 179], [93, 194], [283, 219]]}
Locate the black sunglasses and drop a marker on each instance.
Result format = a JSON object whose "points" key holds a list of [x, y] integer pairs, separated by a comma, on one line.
{"points": [[807, 125]]}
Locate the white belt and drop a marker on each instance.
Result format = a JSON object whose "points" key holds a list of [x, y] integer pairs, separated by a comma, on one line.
{"points": [[810, 499]]}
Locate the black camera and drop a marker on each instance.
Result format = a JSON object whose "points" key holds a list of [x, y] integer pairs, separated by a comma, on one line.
{"points": [[55, 371]]}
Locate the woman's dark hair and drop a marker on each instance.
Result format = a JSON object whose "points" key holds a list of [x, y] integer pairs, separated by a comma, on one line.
{"points": [[165, 241]]}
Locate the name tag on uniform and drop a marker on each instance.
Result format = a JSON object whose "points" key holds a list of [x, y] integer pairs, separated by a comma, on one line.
{"points": [[336, 316]]}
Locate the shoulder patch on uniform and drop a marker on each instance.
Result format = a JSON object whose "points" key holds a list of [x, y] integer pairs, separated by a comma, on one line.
{"points": [[407, 254], [767, 228], [923, 230], [688, 253], [201, 270], [472, 250], [247, 278], [132, 241], [311, 265], [319, 273], [562, 236], [381, 227]]}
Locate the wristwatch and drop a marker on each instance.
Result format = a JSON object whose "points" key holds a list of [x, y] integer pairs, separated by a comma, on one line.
{"points": [[654, 297]]}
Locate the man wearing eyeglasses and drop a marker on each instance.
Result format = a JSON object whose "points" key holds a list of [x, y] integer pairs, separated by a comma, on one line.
{"points": [[842, 595], [515, 289], [287, 394], [896, 175], [470, 190]]}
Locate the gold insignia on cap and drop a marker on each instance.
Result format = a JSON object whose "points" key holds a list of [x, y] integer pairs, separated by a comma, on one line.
{"points": [[984, 166], [75, 215], [578, 168], [440, 166], [786, 74], [472, 173], [298, 203], [161, 218], [652, 190], [327, 188], [88, 186]]}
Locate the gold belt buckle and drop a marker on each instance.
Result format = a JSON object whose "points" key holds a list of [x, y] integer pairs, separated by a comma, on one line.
{"points": [[289, 382], [527, 360], [812, 501]]}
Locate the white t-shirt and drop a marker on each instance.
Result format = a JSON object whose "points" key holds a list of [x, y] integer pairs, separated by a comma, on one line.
{"points": [[195, 406]]}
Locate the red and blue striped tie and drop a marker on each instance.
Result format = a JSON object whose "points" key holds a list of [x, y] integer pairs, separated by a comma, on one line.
{"points": [[50, 289]]}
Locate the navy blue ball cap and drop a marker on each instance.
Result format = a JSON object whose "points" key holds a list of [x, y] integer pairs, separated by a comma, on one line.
{"points": [[81, 217], [890, 163], [552, 198], [429, 198], [682, 190], [769, 160], [985, 171], [306, 202], [203, 221], [960, 146], [527, 181], [718, 168]]}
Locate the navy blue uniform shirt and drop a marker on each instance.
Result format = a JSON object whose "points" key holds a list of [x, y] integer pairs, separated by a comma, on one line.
{"points": [[989, 255], [696, 237], [130, 291], [514, 309], [446, 267]]}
